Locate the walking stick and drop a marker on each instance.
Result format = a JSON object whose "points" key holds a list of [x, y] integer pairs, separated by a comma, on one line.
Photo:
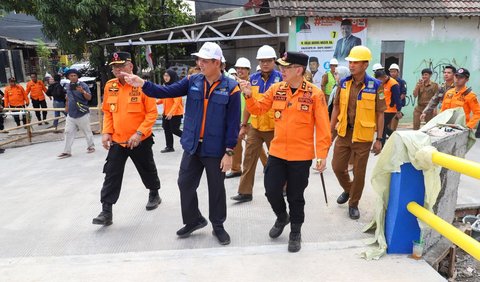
{"points": [[324, 189]]}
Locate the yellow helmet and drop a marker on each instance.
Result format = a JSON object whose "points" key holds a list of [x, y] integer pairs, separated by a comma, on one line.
{"points": [[359, 53]]}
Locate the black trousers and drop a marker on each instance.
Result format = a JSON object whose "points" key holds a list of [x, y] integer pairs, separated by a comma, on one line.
{"points": [[387, 131], [1, 121], [40, 104], [170, 127], [191, 170], [295, 173], [142, 157], [16, 118]]}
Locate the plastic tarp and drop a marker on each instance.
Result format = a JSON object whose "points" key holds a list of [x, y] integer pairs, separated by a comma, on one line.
{"points": [[403, 147]]}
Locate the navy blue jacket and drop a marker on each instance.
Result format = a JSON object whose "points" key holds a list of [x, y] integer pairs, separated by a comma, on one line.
{"points": [[222, 122]]}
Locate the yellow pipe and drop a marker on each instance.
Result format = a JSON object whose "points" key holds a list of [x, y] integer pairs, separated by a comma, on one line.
{"points": [[467, 243], [457, 164]]}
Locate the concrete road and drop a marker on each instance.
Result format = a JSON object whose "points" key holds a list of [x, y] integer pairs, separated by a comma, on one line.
{"points": [[46, 208]]}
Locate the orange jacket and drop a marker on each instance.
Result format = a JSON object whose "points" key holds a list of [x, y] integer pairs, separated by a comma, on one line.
{"points": [[296, 116], [387, 91], [173, 106], [127, 110], [36, 90], [469, 102], [15, 96]]}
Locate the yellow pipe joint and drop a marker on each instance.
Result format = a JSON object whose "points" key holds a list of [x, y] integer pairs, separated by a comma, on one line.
{"points": [[467, 243], [457, 164]]}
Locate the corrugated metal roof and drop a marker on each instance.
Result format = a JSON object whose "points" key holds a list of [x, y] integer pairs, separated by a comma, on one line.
{"points": [[360, 8], [22, 27]]}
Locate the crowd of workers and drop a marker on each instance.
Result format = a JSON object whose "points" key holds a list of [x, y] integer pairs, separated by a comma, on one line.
{"points": [[278, 105]]}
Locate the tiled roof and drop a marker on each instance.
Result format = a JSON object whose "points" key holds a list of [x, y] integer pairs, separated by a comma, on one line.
{"points": [[360, 8]]}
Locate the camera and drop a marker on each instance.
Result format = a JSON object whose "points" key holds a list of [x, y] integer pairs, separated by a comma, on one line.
{"points": [[73, 86]]}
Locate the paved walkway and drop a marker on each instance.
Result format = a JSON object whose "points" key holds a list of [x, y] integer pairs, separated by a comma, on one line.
{"points": [[46, 208]]}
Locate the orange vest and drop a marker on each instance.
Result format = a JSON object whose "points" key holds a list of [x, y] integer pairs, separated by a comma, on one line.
{"points": [[387, 91], [15, 96], [173, 106], [36, 90], [469, 103], [127, 110], [302, 127]]}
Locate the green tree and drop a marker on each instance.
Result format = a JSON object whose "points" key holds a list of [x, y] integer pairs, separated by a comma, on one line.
{"points": [[43, 54], [72, 23]]}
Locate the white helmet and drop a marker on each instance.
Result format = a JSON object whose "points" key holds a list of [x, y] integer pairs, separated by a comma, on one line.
{"points": [[232, 71], [243, 63], [266, 52], [377, 66], [394, 67], [334, 62], [258, 68], [223, 60]]}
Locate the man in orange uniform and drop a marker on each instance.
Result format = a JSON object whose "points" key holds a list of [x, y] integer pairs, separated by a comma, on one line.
{"points": [[127, 132], [391, 90], [16, 97], [301, 133], [358, 110], [461, 96], [37, 91]]}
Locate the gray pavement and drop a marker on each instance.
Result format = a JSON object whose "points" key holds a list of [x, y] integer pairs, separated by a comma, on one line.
{"points": [[46, 208]]}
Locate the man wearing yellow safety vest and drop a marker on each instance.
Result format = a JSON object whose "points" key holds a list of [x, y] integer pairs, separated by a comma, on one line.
{"points": [[328, 79], [391, 90], [358, 110], [261, 125]]}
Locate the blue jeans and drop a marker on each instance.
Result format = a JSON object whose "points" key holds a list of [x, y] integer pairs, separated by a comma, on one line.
{"points": [[58, 104]]}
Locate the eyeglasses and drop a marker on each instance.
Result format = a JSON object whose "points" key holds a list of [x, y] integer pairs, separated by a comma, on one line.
{"points": [[266, 61]]}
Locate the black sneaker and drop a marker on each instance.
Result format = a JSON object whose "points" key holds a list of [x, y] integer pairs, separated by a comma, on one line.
{"points": [[153, 201], [104, 218], [294, 242], [278, 227], [353, 213], [242, 198], [233, 174], [167, 150], [222, 236], [343, 198], [188, 229]]}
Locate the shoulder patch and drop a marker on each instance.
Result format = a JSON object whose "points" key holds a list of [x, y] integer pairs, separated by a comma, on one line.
{"points": [[381, 96]]}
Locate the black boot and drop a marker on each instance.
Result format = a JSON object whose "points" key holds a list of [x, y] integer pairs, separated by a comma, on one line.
{"points": [[105, 217], [279, 225], [153, 200], [295, 238]]}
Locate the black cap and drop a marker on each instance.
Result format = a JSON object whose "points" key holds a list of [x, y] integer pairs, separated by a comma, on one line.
{"points": [[290, 58], [313, 59], [427, 70], [120, 58], [462, 72], [70, 71]]}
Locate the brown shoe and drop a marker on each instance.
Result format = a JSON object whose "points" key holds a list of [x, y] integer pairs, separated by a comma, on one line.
{"points": [[64, 155]]}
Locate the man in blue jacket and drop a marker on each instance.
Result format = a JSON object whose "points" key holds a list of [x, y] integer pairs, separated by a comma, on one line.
{"points": [[210, 132]]}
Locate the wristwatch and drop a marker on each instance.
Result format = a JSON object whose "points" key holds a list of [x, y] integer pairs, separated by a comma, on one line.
{"points": [[379, 139], [229, 152], [139, 133], [243, 124]]}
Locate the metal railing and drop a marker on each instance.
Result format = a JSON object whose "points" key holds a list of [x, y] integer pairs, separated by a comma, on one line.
{"points": [[459, 238]]}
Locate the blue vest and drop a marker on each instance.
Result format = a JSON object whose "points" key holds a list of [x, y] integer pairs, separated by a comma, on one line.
{"points": [[217, 136]]}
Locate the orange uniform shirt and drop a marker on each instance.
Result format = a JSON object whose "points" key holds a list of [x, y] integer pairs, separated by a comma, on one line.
{"points": [[302, 126], [36, 90], [173, 106], [127, 110], [469, 103], [15, 96]]}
